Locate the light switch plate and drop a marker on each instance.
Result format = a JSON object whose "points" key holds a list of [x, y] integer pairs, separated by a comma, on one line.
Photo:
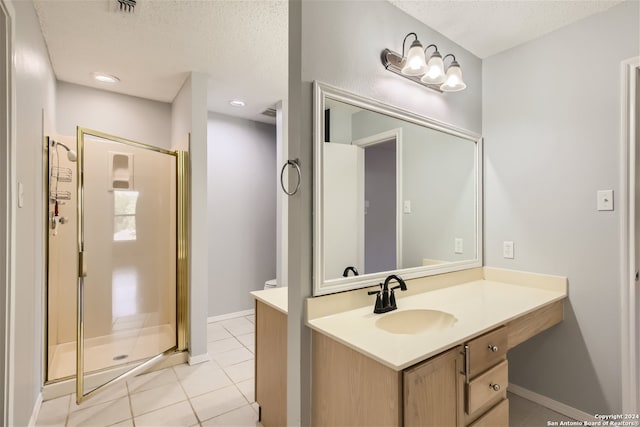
{"points": [[406, 207], [507, 249], [605, 200], [457, 243]]}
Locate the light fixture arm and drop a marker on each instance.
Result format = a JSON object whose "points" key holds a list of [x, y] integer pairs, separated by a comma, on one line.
{"points": [[431, 45], [405, 40], [451, 55]]}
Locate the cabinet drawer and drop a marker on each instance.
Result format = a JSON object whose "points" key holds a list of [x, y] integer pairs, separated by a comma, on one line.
{"points": [[487, 351], [498, 416], [487, 388]]}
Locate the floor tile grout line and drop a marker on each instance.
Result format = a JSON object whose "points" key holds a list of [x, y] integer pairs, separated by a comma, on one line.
{"points": [[133, 418], [195, 414]]}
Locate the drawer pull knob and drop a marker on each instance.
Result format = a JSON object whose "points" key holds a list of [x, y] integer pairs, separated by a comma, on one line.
{"points": [[493, 348], [495, 387]]}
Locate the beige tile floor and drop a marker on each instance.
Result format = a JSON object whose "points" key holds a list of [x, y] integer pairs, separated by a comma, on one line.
{"points": [[216, 393]]}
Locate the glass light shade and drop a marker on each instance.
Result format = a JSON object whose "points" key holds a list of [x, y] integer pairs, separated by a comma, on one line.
{"points": [[416, 63], [435, 70], [453, 82]]}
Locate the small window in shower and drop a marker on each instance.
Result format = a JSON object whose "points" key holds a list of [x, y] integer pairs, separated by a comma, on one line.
{"points": [[124, 215]]}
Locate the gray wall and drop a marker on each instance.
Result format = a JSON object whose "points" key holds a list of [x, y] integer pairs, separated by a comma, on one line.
{"points": [[380, 218], [5, 178], [339, 43], [139, 119], [242, 210], [189, 132], [35, 99], [438, 179], [551, 120], [342, 43]]}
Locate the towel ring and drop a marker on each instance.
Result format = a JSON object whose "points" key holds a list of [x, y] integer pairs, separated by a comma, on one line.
{"points": [[295, 164]]}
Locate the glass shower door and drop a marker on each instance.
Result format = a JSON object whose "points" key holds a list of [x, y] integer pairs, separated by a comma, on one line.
{"points": [[127, 240]]}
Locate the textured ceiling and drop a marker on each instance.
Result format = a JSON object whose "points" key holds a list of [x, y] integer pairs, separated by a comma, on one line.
{"points": [[240, 45], [487, 27]]}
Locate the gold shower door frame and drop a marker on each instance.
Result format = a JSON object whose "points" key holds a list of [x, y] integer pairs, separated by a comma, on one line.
{"points": [[182, 203]]}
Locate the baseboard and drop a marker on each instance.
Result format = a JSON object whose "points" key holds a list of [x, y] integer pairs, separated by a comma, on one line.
{"points": [[201, 358], [549, 403], [228, 316], [36, 410]]}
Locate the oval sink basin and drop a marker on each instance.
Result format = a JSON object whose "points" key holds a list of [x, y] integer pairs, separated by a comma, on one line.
{"points": [[415, 321]]}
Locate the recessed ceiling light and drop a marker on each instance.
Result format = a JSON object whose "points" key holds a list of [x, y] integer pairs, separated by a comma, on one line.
{"points": [[237, 103], [105, 78]]}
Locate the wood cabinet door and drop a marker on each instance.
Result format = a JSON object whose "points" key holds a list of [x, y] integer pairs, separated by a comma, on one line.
{"points": [[434, 391], [271, 365]]}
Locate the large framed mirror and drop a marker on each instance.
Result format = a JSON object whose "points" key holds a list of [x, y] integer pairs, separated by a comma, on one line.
{"points": [[395, 193]]}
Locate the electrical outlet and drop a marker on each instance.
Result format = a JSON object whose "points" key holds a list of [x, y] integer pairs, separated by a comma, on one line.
{"points": [[406, 207], [507, 250], [457, 244]]}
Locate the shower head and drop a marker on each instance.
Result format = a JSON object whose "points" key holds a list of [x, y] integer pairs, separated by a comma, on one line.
{"points": [[71, 155]]}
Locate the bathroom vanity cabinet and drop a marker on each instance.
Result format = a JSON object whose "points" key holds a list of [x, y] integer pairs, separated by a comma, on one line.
{"points": [[362, 374], [463, 386]]}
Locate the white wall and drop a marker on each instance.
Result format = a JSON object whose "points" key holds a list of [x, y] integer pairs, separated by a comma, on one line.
{"points": [[35, 112], [130, 117], [241, 210], [551, 120], [339, 43]]}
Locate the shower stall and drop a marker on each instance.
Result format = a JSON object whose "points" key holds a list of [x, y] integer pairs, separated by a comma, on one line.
{"points": [[116, 258]]}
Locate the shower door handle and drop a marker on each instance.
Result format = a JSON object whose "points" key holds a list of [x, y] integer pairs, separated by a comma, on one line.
{"points": [[82, 266]]}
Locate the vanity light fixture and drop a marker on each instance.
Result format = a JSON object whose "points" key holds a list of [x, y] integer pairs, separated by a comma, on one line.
{"points": [[416, 63], [453, 81], [429, 73], [104, 78]]}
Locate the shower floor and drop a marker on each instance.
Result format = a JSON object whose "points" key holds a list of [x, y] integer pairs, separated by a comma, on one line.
{"points": [[127, 343]]}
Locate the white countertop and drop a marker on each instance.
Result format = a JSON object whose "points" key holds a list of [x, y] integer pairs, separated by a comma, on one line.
{"points": [[277, 298], [479, 306]]}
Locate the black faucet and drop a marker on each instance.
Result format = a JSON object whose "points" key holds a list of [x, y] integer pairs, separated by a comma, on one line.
{"points": [[351, 268], [385, 298]]}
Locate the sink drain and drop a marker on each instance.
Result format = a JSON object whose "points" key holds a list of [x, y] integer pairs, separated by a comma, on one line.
{"points": [[121, 356]]}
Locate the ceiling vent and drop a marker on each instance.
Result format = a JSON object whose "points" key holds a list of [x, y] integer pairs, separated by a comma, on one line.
{"points": [[127, 5], [269, 112]]}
